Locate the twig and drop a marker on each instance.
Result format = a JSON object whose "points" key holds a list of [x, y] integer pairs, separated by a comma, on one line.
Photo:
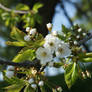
{"points": [[66, 14], [34, 63], [25, 64], [85, 39], [15, 11]]}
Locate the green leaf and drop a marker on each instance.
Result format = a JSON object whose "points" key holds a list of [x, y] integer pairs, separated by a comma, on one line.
{"points": [[14, 88], [37, 6], [21, 44], [5, 15], [16, 34], [71, 74], [86, 60], [88, 55], [22, 7], [65, 30], [26, 55], [28, 89]]}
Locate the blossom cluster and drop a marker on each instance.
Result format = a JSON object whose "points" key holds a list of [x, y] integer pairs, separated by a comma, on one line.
{"points": [[52, 47]]}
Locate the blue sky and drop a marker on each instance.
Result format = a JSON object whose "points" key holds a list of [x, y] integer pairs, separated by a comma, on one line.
{"points": [[59, 17]]}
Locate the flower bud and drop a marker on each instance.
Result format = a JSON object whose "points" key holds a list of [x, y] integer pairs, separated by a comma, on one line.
{"points": [[59, 89], [84, 34], [83, 75], [27, 29], [10, 68], [9, 74], [88, 74], [75, 42], [33, 31], [34, 86], [31, 80], [49, 26], [79, 30], [77, 36], [41, 83], [27, 38]]}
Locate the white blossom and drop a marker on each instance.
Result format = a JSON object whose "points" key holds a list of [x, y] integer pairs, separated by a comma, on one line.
{"points": [[79, 30], [9, 74], [27, 29], [10, 68], [34, 86], [51, 42], [27, 38], [33, 31], [54, 33], [78, 36], [49, 36], [59, 89], [31, 80], [84, 34], [41, 83], [49, 26], [44, 55], [75, 42], [63, 50]]}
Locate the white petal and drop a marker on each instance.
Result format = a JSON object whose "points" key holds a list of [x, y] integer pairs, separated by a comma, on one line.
{"points": [[10, 67], [34, 86], [31, 80], [27, 38], [41, 83], [33, 31], [49, 25], [27, 29], [44, 59], [9, 74]]}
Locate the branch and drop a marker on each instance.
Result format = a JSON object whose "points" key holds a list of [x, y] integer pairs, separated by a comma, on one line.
{"points": [[35, 63], [15, 11], [66, 14], [25, 64], [85, 39]]}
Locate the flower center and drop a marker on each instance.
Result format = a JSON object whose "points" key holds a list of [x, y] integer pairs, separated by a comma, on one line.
{"points": [[44, 54], [60, 50], [51, 44]]}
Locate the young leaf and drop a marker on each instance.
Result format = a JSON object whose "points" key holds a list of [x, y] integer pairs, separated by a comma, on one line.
{"points": [[28, 89], [64, 29], [26, 55], [21, 44], [86, 60], [22, 7], [16, 34], [37, 6], [71, 74], [14, 88]]}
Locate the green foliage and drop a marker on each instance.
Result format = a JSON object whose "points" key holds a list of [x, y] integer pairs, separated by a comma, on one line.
{"points": [[10, 18], [22, 7], [71, 74], [15, 88], [16, 34], [20, 44], [28, 89], [25, 55], [37, 6], [30, 19]]}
